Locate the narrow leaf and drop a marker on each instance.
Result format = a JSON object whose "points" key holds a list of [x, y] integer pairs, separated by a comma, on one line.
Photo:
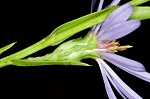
{"points": [[70, 28], [141, 13], [3, 49], [137, 2]]}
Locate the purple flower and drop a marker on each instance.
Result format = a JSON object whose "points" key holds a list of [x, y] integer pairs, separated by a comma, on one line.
{"points": [[114, 27]]}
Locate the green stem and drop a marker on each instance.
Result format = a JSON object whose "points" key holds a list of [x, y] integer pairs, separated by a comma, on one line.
{"points": [[23, 53]]}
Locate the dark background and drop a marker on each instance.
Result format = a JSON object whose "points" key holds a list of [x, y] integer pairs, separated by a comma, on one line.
{"points": [[29, 22]]}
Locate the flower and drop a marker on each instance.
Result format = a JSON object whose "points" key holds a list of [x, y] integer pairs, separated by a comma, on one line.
{"points": [[116, 26]]}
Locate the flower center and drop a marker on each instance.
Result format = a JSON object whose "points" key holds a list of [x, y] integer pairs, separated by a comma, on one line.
{"points": [[111, 46]]}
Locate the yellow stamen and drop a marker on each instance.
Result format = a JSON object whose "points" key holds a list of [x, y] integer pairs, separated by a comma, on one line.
{"points": [[112, 46], [121, 48]]}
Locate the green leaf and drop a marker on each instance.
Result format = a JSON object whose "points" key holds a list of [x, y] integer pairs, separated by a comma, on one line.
{"points": [[70, 28], [19, 62], [3, 49], [137, 2], [141, 13]]}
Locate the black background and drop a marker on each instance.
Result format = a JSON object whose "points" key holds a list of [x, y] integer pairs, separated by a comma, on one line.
{"points": [[29, 22]]}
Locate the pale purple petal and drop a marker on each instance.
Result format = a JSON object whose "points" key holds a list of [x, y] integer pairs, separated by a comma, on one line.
{"points": [[121, 61], [133, 67], [124, 90], [95, 29], [92, 5], [114, 3], [108, 88], [142, 75], [127, 91], [114, 84], [100, 5], [120, 30], [121, 14]]}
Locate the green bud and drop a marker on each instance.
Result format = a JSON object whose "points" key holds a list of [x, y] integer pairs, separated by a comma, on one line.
{"points": [[68, 53]]}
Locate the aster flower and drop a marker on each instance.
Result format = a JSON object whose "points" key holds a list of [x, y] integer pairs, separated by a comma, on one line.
{"points": [[114, 27]]}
